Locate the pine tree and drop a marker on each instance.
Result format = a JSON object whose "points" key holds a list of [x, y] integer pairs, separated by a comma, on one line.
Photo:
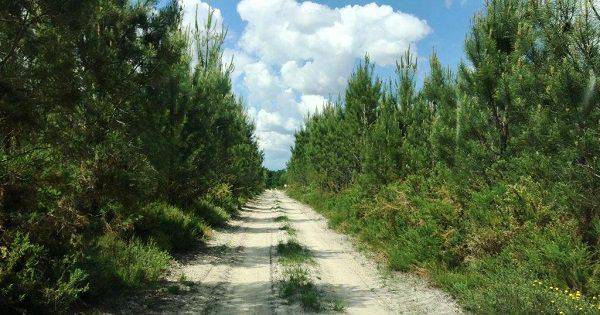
{"points": [[495, 47], [362, 98], [439, 93]]}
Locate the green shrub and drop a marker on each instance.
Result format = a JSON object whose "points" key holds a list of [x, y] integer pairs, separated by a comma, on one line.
{"points": [[222, 196], [170, 228], [211, 214], [29, 280], [115, 263], [488, 257]]}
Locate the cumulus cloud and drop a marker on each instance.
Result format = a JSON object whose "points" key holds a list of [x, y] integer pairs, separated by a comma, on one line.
{"points": [[275, 122], [283, 30], [325, 75], [293, 55], [312, 104]]}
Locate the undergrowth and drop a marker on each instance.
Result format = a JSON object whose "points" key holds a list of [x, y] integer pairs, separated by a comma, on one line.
{"points": [[516, 259]]}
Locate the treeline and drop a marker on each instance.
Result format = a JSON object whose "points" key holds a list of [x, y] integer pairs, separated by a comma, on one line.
{"points": [[122, 143], [486, 179], [274, 179]]}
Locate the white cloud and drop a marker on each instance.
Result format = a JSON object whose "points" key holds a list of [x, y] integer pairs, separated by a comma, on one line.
{"points": [[273, 121], [262, 84], [312, 104], [283, 30], [292, 55], [326, 75], [276, 147]]}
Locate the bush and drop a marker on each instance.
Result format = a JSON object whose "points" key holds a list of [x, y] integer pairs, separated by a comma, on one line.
{"points": [[170, 228], [115, 263], [222, 196], [28, 279], [491, 257], [80, 155], [213, 215]]}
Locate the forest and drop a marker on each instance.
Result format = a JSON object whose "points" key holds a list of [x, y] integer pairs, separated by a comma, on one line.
{"points": [[123, 147], [484, 179], [122, 144]]}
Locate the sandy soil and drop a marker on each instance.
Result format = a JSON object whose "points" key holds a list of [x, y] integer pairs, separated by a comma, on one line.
{"points": [[356, 280], [237, 272]]}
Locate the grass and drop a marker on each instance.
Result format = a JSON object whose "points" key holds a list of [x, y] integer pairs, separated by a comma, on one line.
{"points": [[286, 226], [293, 253], [282, 218], [289, 229], [297, 285]]}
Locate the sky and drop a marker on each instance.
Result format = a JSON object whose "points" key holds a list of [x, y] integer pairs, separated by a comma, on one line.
{"points": [[292, 56]]}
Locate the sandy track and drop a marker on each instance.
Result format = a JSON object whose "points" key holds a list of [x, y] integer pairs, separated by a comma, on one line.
{"points": [[356, 280], [237, 272]]}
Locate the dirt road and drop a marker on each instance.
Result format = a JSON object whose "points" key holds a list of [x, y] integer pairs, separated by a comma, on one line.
{"points": [[238, 272]]}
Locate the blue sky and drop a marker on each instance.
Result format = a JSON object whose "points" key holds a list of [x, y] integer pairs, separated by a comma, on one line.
{"points": [[291, 56]]}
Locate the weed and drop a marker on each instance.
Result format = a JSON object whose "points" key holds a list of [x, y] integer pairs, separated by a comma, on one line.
{"points": [[487, 259], [292, 252], [289, 229], [338, 306], [297, 284], [282, 218]]}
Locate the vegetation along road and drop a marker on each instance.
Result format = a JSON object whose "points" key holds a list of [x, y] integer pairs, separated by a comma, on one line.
{"points": [[246, 269], [142, 145]]}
